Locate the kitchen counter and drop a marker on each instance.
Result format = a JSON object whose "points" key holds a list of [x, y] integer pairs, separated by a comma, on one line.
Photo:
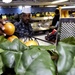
{"points": [[43, 38]]}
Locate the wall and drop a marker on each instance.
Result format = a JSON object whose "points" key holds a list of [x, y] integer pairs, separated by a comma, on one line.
{"points": [[9, 10], [43, 9], [33, 10]]}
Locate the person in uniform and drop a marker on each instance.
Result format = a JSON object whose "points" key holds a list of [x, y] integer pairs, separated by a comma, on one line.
{"points": [[23, 27]]}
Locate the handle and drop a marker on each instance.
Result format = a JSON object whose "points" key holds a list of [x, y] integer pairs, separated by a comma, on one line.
{"points": [[29, 36]]}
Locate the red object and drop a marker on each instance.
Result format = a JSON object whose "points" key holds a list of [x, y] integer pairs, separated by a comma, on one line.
{"points": [[54, 30]]}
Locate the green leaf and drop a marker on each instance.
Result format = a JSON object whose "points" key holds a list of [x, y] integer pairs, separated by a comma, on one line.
{"points": [[69, 40], [66, 56], [2, 39], [1, 50], [50, 47], [26, 60], [1, 65], [8, 58], [16, 45], [72, 70], [19, 68], [35, 62]]}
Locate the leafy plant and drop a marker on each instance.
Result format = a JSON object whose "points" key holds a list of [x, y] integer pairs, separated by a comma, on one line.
{"points": [[66, 61], [18, 59]]}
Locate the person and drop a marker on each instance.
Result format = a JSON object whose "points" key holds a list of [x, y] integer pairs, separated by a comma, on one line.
{"points": [[1, 27], [53, 27], [23, 27], [55, 20]]}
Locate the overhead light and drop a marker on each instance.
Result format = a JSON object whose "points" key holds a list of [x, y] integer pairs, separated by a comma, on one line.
{"points": [[20, 7], [6, 1], [26, 9], [68, 7], [58, 1], [27, 6], [51, 6]]}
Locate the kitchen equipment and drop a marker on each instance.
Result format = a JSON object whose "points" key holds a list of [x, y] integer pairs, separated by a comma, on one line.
{"points": [[66, 26]]}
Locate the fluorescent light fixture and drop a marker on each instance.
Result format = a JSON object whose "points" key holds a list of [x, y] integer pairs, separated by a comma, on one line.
{"points": [[58, 1], [68, 7], [27, 6], [20, 7], [6, 1], [26, 9], [51, 6]]}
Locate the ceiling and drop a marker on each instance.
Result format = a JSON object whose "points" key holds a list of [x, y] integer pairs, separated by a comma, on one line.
{"points": [[26, 2], [34, 2]]}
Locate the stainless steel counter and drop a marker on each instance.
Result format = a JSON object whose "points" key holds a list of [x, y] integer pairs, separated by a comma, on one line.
{"points": [[41, 26]]}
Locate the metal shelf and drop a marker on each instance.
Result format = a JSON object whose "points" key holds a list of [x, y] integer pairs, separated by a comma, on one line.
{"points": [[41, 18]]}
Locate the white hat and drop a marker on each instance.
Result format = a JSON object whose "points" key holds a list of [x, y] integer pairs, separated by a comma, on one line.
{"points": [[26, 9]]}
